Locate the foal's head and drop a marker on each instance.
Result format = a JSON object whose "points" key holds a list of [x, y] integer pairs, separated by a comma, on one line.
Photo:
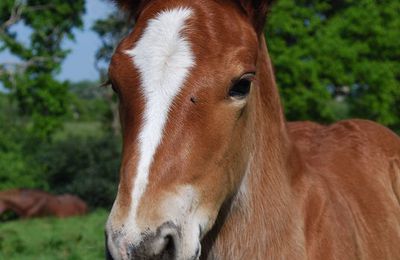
{"points": [[187, 84]]}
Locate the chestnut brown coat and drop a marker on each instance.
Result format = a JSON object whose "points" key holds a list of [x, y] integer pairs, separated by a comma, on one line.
{"points": [[230, 175], [28, 203]]}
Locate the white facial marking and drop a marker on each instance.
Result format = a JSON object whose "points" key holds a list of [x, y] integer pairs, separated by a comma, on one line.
{"points": [[163, 57], [182, 207]]}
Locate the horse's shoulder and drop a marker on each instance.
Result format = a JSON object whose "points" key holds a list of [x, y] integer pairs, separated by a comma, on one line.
{"points": [[352, 168], [348, 153], [303, 132], [347, 137], [379, 136]]}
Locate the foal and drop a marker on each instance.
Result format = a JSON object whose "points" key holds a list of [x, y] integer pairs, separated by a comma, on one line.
{"points": [[210, 168]]}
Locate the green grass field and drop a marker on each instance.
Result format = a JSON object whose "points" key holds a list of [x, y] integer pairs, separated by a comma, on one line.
{"points": [[49, 238]]}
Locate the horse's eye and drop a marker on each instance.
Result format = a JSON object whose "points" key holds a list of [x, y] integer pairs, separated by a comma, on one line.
{"points": [[241, 87]]}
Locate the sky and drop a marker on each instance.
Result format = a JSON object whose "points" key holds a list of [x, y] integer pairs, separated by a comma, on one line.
{"points": [[79, 64]]}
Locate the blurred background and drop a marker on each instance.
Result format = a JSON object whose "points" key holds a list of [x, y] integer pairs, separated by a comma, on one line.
{"points": [[59, 130]]}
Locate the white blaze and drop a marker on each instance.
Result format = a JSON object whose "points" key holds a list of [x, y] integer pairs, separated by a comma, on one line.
{"points": [[163, 57]]}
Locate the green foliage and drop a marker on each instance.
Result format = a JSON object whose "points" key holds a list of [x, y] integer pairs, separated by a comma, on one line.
{"points": [[88, 102], [85, 166], [320, 47], [81, 159], [18, 171], [31, 81], [16, 166], [85, 163], [110, 30], [43, 99], [48, 238]]}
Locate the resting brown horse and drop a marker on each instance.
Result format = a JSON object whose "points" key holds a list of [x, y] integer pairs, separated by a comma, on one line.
{"points": [[210, 166], [27, 203]]}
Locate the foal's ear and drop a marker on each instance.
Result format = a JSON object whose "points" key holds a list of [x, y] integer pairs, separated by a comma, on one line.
{"points": [[257, 11], [132, 6]]}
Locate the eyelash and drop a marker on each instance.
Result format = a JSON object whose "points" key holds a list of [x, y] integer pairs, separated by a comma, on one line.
{"points": [[114, 88], [110, 84]]}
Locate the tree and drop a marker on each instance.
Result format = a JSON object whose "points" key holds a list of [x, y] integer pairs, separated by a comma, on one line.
{"points": [[88, 102], [320, 48], [17, 169], [111, 30], [31, 81]]}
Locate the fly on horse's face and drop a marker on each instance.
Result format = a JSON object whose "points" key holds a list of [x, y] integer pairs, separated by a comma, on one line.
{"points": [[186, 80]]}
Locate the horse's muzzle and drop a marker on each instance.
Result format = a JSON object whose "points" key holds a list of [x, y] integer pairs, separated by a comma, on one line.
{"points": [[160, 245]]}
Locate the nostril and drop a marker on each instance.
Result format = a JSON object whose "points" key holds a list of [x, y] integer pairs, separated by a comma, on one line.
{"points": [[161, 247], [170, 245], [164, 243], [168, 237]]}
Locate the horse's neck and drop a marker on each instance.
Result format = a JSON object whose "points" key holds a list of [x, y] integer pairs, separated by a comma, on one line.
{"points": [[260, 220]]}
